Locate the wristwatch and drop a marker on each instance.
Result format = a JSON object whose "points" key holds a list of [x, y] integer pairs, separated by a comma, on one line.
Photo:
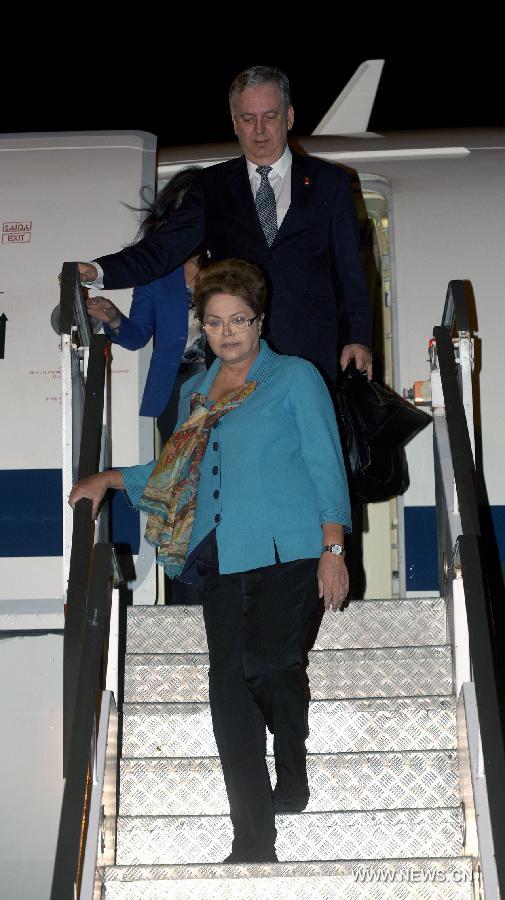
{"points": [[336, 549]]}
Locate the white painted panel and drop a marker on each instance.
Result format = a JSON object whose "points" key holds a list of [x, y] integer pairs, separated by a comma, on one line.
{"points": [[31, 783], [22, 578], [70, 195], [75, 196]]}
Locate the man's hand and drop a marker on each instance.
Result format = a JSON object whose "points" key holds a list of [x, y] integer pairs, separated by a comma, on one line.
{"points": [[362, 358], [103, 310], [87, 272]]}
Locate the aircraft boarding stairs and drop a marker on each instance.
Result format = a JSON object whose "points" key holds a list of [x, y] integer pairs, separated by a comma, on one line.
{"points": [[395, 770], [383, 766]]}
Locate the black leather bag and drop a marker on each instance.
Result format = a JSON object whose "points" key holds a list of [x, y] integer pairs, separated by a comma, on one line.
{"points": [[377, 424]]}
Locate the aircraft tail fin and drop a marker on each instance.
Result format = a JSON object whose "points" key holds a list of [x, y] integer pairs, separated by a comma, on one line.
{"points": [[350, 113]]}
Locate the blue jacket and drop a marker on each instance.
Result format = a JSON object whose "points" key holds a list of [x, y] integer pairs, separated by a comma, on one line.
{"points": [[160, 307], [272, 473]]}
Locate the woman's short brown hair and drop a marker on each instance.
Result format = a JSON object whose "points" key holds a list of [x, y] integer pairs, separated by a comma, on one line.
{"points": [[234, 277]]}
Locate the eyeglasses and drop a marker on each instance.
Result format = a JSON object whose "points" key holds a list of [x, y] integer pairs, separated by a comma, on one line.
{"points": [[236, 323]]}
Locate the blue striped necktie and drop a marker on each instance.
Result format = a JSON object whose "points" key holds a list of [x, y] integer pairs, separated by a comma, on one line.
{"points": [[265, 205]]}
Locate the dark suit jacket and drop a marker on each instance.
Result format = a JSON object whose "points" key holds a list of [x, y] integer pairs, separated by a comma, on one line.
{"points": [[318, 295]]}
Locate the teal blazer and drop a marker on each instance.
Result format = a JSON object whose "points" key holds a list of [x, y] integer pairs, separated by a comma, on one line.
{"points": [[272, 473]]}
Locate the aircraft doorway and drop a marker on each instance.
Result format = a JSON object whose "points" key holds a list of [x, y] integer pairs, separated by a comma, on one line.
{"points": [[382, 541]]}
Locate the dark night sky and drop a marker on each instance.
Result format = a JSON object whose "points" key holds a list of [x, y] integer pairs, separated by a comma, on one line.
{"points": [[187, 103]]}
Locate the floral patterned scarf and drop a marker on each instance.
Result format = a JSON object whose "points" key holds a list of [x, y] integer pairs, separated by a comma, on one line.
{"points": [[169, 497]]}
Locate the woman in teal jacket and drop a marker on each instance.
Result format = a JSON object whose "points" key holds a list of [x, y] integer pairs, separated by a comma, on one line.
{"points": [[249, 497]]}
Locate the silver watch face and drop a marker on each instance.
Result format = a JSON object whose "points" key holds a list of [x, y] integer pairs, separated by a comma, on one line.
{"points": [[336, 549]]}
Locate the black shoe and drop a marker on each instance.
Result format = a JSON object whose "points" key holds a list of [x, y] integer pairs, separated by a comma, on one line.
{"points": [[283, 807]]}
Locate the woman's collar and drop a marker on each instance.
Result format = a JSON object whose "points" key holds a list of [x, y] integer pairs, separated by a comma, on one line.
{"points": [[260, 369]]}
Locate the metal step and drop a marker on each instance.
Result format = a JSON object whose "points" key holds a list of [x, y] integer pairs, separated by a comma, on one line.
{"points": [[409, 879], [334, 674], [365, 623], [382, 766], [149, 840], [340, 782], [336, 726]]}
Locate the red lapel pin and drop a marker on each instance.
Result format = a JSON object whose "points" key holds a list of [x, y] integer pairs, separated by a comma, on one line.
{"points": [[306, 181]]}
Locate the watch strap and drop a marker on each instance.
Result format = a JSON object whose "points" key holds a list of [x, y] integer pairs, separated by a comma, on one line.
{"points": [[335, 549]]}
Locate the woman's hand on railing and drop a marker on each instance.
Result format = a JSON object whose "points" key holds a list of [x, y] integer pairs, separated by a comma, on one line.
{"points": [[104, 310], [94, 488]]}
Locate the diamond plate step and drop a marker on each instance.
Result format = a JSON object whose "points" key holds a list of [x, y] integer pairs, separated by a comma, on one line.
{"points": [[382, 766], [309, 836], [365, 623], [336, 726], [409, 879], [334, 674], [357, 781]]}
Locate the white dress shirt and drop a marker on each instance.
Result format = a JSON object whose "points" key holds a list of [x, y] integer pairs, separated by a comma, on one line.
{"points": [[279, 178]]}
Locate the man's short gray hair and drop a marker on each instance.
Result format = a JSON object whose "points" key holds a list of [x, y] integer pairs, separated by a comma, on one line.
{"points": [[258, 75]]}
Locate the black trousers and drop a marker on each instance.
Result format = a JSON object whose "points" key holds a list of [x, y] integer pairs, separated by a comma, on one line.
{"points": [[260, 626]]}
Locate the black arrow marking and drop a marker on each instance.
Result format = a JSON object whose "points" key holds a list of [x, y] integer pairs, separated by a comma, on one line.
{"points": [[3, 320]]}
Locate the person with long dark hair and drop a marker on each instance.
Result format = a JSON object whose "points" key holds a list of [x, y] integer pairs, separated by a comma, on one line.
{"points": [[164, 308]]}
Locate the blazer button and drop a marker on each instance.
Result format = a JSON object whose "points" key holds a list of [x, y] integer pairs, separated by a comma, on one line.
{"points": [[216, 424], [215, 445], [215, 495], [215, 470], [217, 518]]}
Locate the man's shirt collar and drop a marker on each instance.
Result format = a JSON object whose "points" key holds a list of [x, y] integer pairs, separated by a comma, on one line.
{"points": [[280, 167]]}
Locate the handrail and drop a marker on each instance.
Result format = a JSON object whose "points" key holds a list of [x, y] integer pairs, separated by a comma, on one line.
{"points": [[482, 639], [459, 439], [71, 833], [82, 535], [84, 357], [456, 311], [72, 307]]}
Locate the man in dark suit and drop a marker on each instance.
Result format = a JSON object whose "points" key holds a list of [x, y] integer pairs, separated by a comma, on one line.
{"points": [[292, 215]]}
